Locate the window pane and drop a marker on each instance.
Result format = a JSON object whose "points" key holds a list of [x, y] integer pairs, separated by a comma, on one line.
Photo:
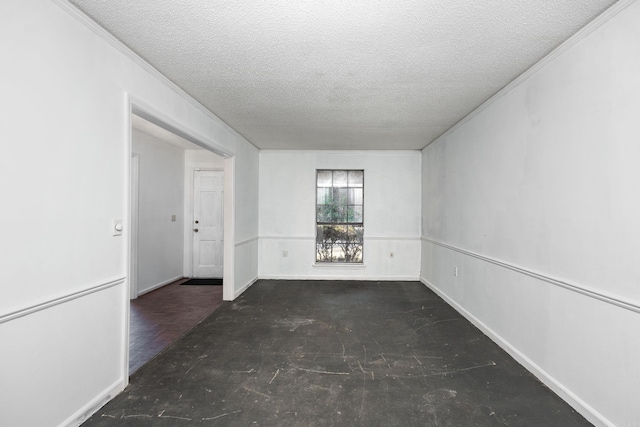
{"points": [[335, 232], [324, 243], [319, 234], [324, 178], [339, 178], [339, 243], [323, 252], [353, 253], [350, 214], [324, 213], [355, 213], [324, 196], [325, 234], [340, 196], [322, 255], [356, 178], [340, 214], [355, 234], [332, 213], [337, 253], [355, 196]]}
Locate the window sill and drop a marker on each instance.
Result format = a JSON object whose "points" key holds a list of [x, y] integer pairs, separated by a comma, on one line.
{"points": [[342, 265]]}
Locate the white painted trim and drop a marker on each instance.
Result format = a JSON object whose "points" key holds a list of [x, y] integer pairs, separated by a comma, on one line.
{"points": [[161, 284], [59, 300], [124, 338], [134, 208], [127, 152], [156, 116], [358, 153], [383, 238], [567, 395], [122, 48], [247, 241], [151, 114], [581, 289], [287, 237], [244, 287], [228, 269], [82, 414], [340, 265], [568, 44], [391, 238], [345, 278]]}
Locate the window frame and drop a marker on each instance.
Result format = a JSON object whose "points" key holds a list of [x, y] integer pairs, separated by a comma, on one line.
{"points": [[359, 224]]}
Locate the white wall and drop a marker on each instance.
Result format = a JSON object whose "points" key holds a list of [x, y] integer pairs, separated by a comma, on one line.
{"points": [[391, 214], [535, 200], [245, 206], [161, 195], [65, 121]]}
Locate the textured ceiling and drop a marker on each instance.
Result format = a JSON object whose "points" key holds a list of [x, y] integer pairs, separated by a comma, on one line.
{"points": [[342, 74]]}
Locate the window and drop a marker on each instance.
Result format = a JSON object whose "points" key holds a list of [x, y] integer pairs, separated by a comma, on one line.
{"points": [[339, 215]]}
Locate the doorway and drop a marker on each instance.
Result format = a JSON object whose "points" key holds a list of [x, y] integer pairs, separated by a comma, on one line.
{"points": [[175, 214]]}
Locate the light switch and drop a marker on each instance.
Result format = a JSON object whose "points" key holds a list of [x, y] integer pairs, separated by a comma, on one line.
{"points": [[173, 218], [116, 227]]}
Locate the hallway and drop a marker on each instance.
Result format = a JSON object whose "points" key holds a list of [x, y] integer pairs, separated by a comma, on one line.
{"points": [[162, 316], [333, 353]]}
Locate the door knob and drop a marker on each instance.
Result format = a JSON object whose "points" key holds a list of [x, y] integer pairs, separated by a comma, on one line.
{"points": [[197, 222], [195, 229]]}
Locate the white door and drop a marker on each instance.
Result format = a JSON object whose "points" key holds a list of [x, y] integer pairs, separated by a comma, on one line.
{"points": [[208, 230]]}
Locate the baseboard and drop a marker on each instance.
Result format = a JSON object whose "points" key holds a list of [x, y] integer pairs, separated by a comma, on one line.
{"points": [[344, 277], [94, 405], [159, 285], [556, 386], [244, 287]]}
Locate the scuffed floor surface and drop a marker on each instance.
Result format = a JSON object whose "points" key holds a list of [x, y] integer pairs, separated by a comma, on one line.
{"points": [[294, 353]]}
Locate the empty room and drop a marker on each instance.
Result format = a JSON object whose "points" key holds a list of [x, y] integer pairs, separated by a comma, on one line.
{"points": [[428, 212]]}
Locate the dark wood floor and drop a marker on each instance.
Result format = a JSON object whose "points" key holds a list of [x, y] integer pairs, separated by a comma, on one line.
{"points": [[162, 316]]}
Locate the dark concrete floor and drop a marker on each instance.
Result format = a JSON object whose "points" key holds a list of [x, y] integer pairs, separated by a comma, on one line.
{"points": [[290, 353]]}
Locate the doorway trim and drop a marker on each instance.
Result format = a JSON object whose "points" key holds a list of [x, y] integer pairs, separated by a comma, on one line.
{"points": [[133, 228], [155, 116]]}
